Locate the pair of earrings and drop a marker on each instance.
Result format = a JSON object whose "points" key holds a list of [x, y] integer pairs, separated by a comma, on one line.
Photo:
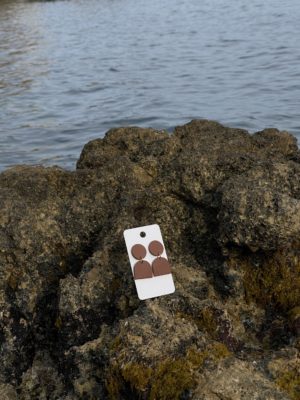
{"points": [[142, 269]]}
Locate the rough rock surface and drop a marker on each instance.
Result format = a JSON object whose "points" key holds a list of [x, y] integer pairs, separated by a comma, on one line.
{"points": [[228, 204]]}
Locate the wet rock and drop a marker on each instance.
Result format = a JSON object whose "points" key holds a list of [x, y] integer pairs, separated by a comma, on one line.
{"points": [[228, 204]]}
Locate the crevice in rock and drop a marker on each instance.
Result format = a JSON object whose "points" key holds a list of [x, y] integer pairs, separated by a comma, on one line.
{"points": [[19, 332], [207, 250]]}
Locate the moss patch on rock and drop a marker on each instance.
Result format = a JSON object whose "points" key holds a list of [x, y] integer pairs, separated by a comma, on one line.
{"points": [[271, 279], [168, 379], [205, 321], [290, 382]]}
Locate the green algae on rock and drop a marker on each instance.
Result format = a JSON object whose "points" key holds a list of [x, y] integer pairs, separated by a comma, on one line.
{"points": [[228, 204], [169, 379]]}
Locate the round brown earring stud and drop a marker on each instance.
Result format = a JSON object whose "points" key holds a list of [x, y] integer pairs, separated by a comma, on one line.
{"points": [[156, 248], [161, 266], [142, 270], [138, 251]]}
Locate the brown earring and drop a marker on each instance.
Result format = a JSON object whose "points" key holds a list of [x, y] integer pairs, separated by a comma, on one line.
{"points": [[138, 251], [161, 266], [142, 269], [156, 248]]}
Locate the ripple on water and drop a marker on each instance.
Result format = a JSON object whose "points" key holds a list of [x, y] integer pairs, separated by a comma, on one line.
{"points": [[158, 63]]}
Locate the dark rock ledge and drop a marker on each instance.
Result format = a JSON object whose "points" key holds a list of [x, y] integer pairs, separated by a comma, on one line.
{"points": [[228, 204]]}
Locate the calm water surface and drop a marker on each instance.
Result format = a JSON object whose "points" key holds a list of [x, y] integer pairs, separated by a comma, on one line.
{"points": [[71, 70]]}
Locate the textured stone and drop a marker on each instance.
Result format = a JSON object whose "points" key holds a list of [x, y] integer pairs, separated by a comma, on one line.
{"points": [[228, 204], [235, 379]]}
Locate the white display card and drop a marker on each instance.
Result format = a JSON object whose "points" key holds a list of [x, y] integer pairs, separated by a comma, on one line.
{"points": [[149, 262]]}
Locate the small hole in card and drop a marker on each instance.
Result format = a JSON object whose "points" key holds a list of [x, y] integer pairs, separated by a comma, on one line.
{"points": [[142, 234]]}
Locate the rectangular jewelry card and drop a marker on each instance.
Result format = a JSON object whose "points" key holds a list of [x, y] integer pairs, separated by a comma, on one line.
{"points": [[149, 262]]}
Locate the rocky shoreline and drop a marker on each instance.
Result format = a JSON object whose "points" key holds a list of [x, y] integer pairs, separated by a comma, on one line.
{"points": [[228, 204]]}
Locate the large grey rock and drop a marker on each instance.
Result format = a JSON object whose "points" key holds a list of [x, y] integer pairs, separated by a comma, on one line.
{"points": [[228, 204]]}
